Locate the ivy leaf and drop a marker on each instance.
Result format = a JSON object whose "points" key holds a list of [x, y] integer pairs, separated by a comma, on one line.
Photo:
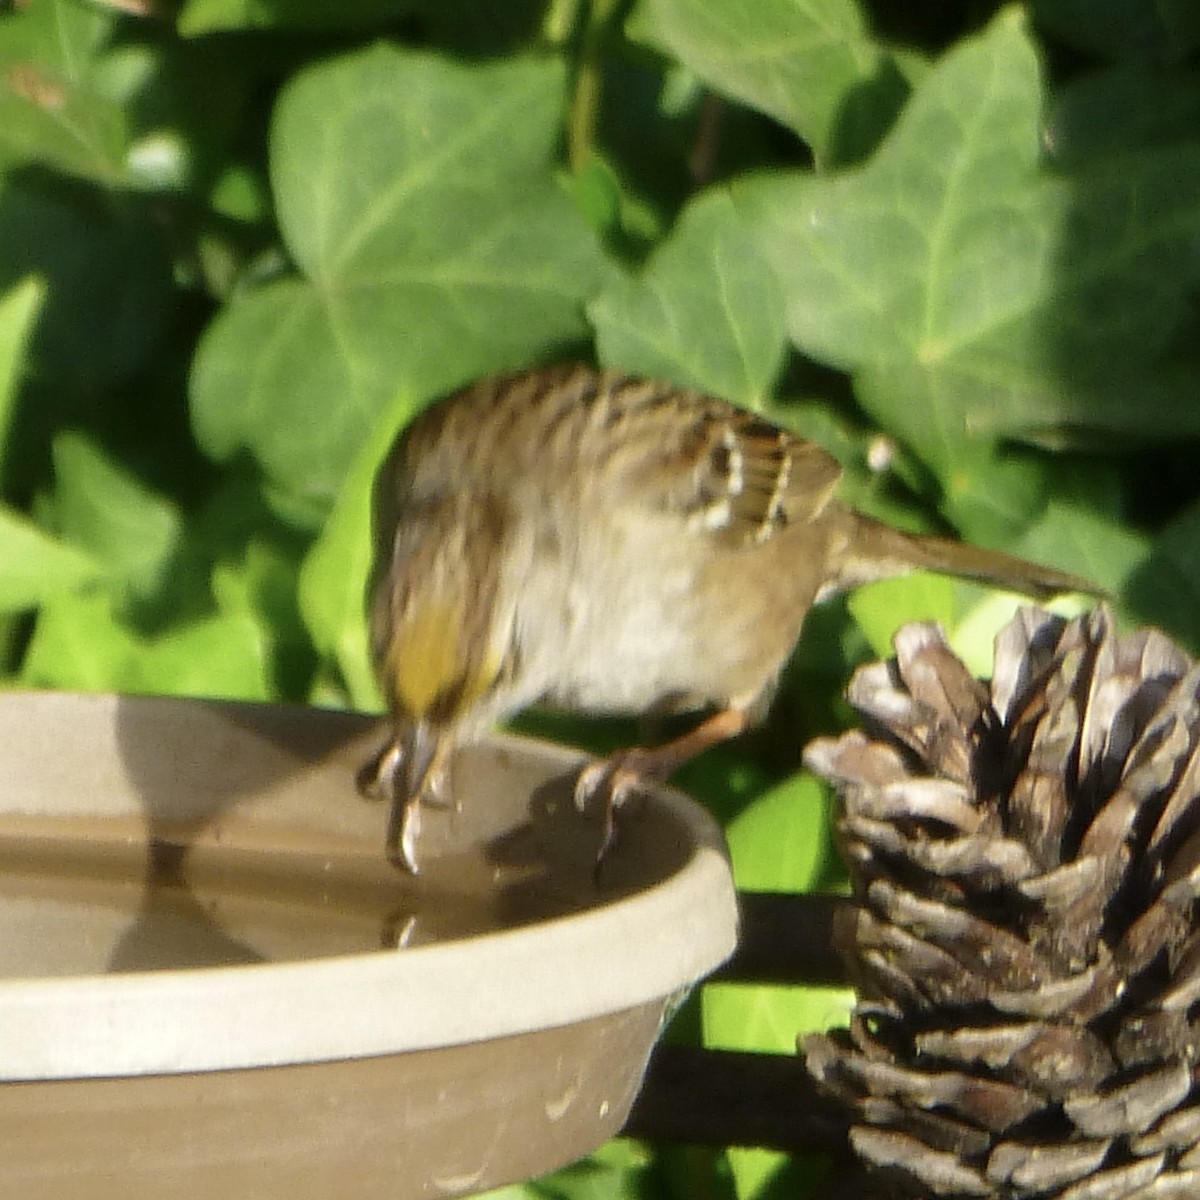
{"points": [[974, 295], [990, 495], [333, 577], [104, 509], [37, 566], [53, 107], [879, 609], [781, 840], [807, 63], [704, 312], [80, 643], [416, 195]]}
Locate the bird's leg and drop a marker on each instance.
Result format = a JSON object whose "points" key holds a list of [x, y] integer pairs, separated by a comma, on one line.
{"points": [[404, 824], [381, 779], [377, 780], [621, 774]]}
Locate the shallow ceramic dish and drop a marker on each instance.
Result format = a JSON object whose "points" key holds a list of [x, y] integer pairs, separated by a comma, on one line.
{"points": [[212, 983]]}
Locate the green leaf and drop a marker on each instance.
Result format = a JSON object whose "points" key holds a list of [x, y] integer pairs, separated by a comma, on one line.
{"points": [[703, 312], [613, 207], [19, 309], [768, 1019], [334, 576], [1159, 580], [991, 495], [103, 508], [1087, 542], [52, 107], [263, 584], [893, 262], [807, 63], [619, 1170], [782, 840], [223, 656], [416, 194], [879, 609], [38, 567], [80, 643], [972, 294]]}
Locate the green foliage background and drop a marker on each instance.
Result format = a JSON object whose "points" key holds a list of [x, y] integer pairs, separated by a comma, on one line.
{"points": [[242, 241]]}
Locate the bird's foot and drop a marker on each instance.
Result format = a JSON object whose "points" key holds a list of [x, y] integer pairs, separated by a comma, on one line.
{"points": [[616, 778], [383, 778], [376, 779], [619, 776], [613, 781]]}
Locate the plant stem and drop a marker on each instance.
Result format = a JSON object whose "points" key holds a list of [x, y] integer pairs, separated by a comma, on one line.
{"points": [[589, 84]]}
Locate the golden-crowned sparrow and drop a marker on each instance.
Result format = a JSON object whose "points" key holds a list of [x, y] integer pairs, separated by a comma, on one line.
{"points": [[604, 544]]}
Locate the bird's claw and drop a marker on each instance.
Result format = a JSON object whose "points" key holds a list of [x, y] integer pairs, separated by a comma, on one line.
{"points": [[376, 780], [614, 780], [438, 793], [403, 828], [379, 779]]}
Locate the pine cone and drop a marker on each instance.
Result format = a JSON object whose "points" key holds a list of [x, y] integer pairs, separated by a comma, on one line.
{"points": [[1026, 860]]}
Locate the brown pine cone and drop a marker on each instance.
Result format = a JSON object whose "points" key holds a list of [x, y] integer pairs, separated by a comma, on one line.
{"points": [[1027, 862]]}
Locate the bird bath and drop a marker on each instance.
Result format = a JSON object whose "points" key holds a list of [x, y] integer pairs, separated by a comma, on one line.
{"points": [[212, 982]]}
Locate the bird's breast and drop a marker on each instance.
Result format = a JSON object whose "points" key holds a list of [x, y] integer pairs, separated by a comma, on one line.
{"points": [[645, 615]]}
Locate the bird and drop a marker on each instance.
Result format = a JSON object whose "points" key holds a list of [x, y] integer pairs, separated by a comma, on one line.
{"points": [[601, 543]]}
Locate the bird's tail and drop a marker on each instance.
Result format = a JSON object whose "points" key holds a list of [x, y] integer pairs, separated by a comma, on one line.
{"points": [[881, 552]]}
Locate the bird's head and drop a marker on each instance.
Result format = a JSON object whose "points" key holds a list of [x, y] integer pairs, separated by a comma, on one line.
{"points": [[440, 643]]}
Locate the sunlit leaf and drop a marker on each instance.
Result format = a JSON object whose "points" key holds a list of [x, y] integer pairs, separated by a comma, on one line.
{"points": [[704, 312], [19, 308], [974, 295], [808, 63], [52, 107], [415, 194], [104, 509], [36, 566]]}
